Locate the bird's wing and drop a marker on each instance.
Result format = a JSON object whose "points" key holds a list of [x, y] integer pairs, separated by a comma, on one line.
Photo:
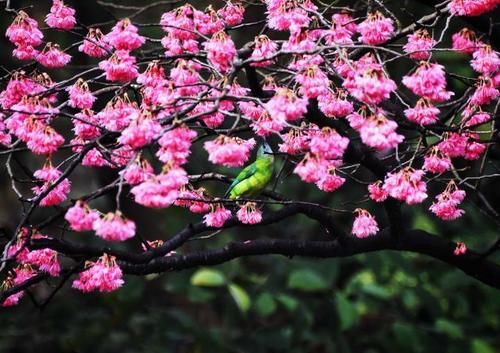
{"points": [[245, 173]]}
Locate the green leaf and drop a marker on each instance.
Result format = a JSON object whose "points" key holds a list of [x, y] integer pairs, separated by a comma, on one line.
{"points": [[288, 302], [240, 296], [449, 328], [377, 291], [307, 281], [200, 295], [348, 315], [405, 336], [206, 277], [480, 346], [265, 304]]}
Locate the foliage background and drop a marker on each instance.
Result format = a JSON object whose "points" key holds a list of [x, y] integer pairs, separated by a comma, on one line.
{"points": [[379, 302]]}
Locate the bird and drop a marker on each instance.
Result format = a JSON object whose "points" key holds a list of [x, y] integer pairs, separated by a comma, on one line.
{"points": [[253, 179]]}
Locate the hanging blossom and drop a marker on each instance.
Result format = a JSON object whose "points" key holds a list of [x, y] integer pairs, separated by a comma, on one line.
{"points": [[85, 126], [80, 96], [137, 172], [264, 50], [376, 191], [328, 144], [466, 145], [329, 181], [81, 217], [419, 45], [446, 203], [232, 13], [118, 113], [335, 104], [161, 190], [94, 44], [175, 145], [195, 200], [61, 16], [464, 41], [424, 113], [471, 7], [485, 60], [313, 82], [114, 227], [476, 119], [364, 224], [104, 275], [19, 275], [124, 36], [376, 29], [120, 67], [370, 85], [313, 169], [296, 140], [460, 249], [249, 213], [53, 57], [285, 105], [141, 131], [24, 31], [220, 51], [485, 92], [229, 151], [217, 217], [436, 161], [428, 81], [283, 15], [406, 185], [379, 132], [48, 175]]}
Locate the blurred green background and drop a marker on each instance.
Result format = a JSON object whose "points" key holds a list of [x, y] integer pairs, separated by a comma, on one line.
{"points": [[380, 302]]}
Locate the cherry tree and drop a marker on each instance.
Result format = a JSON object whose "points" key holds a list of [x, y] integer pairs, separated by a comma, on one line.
{"points": [[318, 83]]}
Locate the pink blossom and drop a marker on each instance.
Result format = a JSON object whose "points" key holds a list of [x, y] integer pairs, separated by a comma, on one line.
{"points": [[208, 22], [485, 92], [286, 106], [185, 78], [217, 216], [328, 144], [428, 81], [263, 51], [180, 22], [296, 140], [310, 169], [120, 67], [118, 113], [379, 132], [52, 57], [419, 45], [376, 29], [460, 249], [364, 224], [446, 203], [229, 151], [44, 140], [188, 198], [104, 275], [436, 161], [175, 145], [114, 227], [232, 13], [80, 95], [124, 36], [406, 185], [137, 172], [94, 44], [477, 119], [249, 213], [464, 145], [471, 7], [20, 275], [329, 181], [335, 104], [464, 41], [313, 82], [377, 192], [86, 125], [220, 51], [24, 31], [45, 260], [485, 60], [61, 16], [25, 53], [370, 86], [94, 158], [81, 217], [424, 113], [283, 15], [141, 131]]}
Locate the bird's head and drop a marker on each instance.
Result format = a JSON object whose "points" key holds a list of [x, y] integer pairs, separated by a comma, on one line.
{"points": [[264, 150]]}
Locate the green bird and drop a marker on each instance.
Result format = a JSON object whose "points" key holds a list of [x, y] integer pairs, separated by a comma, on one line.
{"points": [[253, 179]]}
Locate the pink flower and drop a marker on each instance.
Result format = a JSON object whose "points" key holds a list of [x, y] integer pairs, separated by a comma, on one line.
{"points": [[137, 172], [376, 29], [188, 198], [485, 92], [20, 275], [124, 36], [141, 131], [328, 144], [114, 227], [86, 125], [379, 132], [364, 224], [464, 145], [424, 113], [217, 217], [232, 13], [436, 161], [220, 51], [24, 31], [44, 140], [249, 213], [335, 104], [45, 260], [283, 15], [446, 203], [263, 51], [286, 106], [94, 44], [61, 16], [80, 95], [406, 185], [419, 45], [471, 7], [296, 140], [477, 119], [428, 81], [104, 275], [464, 41], [162, 190], [330, 181], [377, 192], [52, 57], [175, 145], [120, 67], [229, 151], [460, 249], [208, 22], [485, 60], [25, 53], [310, 169], [80, 217], [118, 113], [313, 82], [370, 86]]}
